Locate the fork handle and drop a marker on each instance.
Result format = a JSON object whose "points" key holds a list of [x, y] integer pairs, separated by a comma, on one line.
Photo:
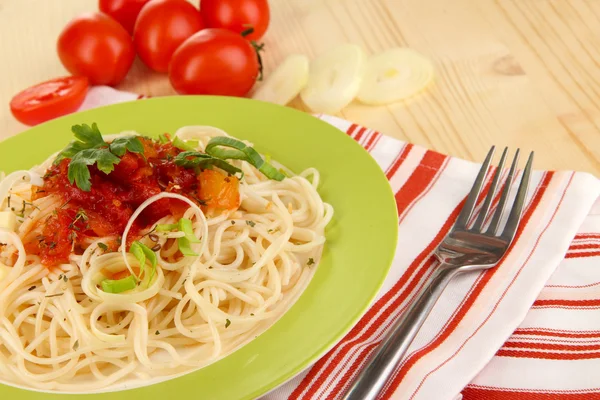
{"points": [[394, 345]]}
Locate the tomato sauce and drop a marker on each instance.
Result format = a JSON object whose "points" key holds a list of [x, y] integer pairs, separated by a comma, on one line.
{"points": [[106, 208]]}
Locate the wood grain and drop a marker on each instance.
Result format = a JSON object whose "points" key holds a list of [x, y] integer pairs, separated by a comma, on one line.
{"points": [[521, 73]]}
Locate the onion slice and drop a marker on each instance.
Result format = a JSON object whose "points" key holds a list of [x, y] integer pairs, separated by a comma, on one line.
{"points": [[394, 75], [334, 79], [283, 84]]}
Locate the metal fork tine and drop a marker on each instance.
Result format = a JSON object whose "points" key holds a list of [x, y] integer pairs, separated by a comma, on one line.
{"points": [[493, 228], [515, 214], [465, 214], [478, 226]]}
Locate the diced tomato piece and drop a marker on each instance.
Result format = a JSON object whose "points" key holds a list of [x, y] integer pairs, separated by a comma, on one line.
{"points": [[218, 190]]}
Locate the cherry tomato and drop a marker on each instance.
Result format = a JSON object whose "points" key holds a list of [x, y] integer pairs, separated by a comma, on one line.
{"points": [[96, 46], [124, 11], [214, 61], [49, 99], [237, 15], [161, 27]]}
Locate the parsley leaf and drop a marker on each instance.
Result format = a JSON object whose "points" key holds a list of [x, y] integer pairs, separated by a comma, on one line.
{"points": [[89, 149], [88, 137], [103, 246], [121, 145], [311, 261], [79, 172], [227, 323]]}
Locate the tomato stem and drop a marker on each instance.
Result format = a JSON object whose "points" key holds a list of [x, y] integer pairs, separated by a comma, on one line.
{"points": [[258, 47]]}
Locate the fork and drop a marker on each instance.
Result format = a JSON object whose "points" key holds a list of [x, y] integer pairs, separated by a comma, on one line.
{"points": [[469, 246]]}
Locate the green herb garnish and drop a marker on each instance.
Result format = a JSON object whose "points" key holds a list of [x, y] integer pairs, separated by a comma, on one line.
{"points": [[199, 161], [163, 138], [189, 145], [141, 252], [311, 261], [91, 149], [229, 148], [184, 243], [103, 246], [227, 323], [119, 285], [251, 223]]}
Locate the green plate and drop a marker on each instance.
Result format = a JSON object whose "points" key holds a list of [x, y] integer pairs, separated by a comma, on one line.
{"points": [[360, 240]]}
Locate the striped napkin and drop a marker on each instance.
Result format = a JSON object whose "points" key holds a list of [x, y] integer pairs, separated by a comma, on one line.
{"points": [[527, 329]]}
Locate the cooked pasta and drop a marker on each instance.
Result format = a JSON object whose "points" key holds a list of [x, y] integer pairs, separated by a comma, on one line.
{"points": [[181, 253]]}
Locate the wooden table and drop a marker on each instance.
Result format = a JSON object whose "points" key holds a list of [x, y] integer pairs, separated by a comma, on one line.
{"points": [[509, 72]]}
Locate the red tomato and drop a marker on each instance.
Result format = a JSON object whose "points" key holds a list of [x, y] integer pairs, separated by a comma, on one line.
{"points": [[161, 27], [214, 61], [49, 99], [96, 46], [237, 15], [124, 11]]}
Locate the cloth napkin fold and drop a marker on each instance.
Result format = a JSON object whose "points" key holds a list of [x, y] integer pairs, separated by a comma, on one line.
{"points": [[529, 328]]}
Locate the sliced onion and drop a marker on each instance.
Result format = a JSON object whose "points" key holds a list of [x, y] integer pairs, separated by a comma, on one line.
{"points": [[283, 84], [394, 75], [334, 79]]}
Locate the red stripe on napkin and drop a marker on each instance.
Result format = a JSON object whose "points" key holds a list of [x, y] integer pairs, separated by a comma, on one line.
{"points": [[476, 393]]}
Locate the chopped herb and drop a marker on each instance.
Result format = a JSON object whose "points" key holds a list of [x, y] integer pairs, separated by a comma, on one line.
{"points": [[120, 145], [251, 223], [252, 314], [8, 200], [40, 191], [53, 295], [60, 277], [270, 230], [65, 279], [211, 267], [103, 246], [141, 252], [199, 201], [119, 285], [165, 227], [52, 245], [227, 323], [163, 138], [189, 145], [157, 333], [232, 222], [65, 204], [91, 149], [80, 216], [198, 161], [76, 345], [229, 148], [32, 288], [311, 261]]}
